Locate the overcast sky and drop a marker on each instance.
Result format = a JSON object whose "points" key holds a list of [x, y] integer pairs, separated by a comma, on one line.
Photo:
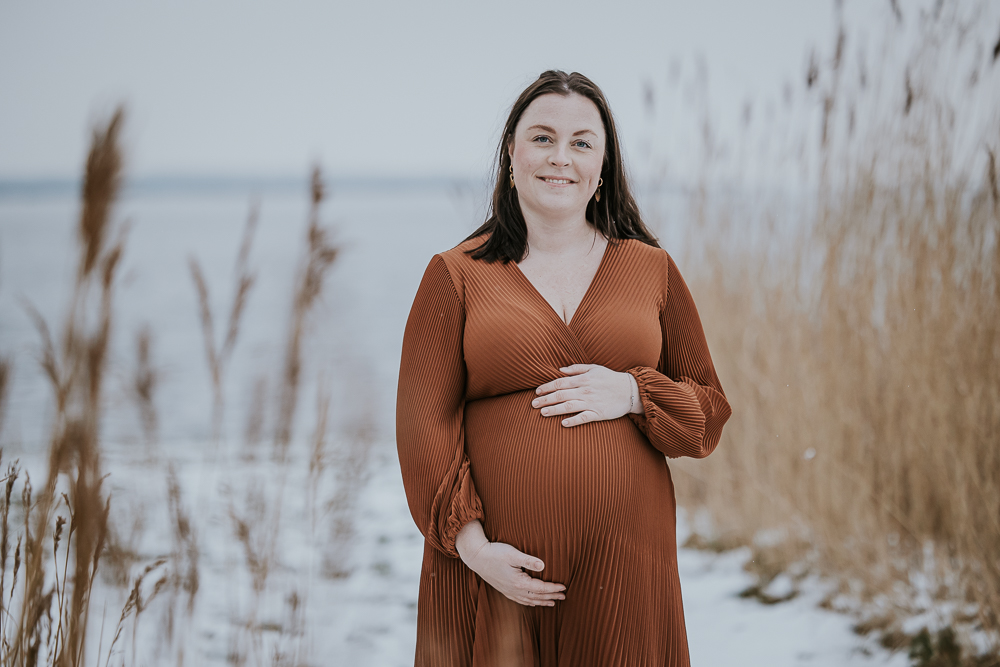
{"points": [[367, 88]]}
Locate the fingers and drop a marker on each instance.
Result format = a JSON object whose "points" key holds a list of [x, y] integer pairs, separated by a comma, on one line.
{"points": [[507, 570], [581, 418], [535, 592], [527, 590], [577, 392], [561, 383], [528, 562], [565, 408], [566, 382], [589, 392]]}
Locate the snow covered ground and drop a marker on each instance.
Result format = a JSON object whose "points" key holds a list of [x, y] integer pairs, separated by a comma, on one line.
{"points": [[331, 604]]}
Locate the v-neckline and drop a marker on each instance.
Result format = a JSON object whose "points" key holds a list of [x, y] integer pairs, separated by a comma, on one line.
{"points": [[586, 295]]}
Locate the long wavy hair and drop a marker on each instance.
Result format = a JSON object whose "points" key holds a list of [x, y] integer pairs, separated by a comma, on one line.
{"points": [[616, 215]]}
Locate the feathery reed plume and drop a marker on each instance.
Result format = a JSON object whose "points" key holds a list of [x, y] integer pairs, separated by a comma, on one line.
{"points": [[4, 388], [258, 556], [135, 603], [257, 520], [48, 361], [182, 577], [320, 255], [76, 377], [144, 383], [244, 281], [351, 471], [317, 458], [9, 478], [993, 181], [253, 431], [186, 551], [101, 183], [218, 358], [208, 335]]}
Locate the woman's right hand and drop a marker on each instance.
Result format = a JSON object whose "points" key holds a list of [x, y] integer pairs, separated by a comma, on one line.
{"points": [[503, 567]]}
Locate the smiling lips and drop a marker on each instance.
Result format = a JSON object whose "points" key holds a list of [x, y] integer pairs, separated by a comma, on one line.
{"points": [[556, 181]]}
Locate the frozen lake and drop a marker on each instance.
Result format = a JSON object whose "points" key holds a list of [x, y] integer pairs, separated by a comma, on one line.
{"points": [[362, 610]]}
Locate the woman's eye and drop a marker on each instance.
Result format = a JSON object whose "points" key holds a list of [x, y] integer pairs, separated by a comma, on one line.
{"points": [[582, 144], [541, 139]]}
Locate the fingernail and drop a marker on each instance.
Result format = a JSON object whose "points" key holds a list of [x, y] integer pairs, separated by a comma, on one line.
{"points": [[535, 402], [545, 411], [539, 565]]}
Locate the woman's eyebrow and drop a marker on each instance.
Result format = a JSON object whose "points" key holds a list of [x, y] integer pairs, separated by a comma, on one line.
{"points": [[546, 128]]}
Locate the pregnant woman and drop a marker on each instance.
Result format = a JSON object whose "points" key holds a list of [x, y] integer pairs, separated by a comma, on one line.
{"points": [[550, 363]]}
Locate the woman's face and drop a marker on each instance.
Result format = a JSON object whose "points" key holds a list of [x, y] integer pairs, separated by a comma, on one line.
{"points": [[557, 152]]}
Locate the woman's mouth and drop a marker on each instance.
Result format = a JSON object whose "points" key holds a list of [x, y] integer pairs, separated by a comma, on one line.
{"points": [[556, 181]]}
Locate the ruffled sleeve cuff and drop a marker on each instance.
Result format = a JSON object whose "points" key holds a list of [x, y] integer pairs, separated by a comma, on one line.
{"points": [[675, 413], [465, 507], [641, 420]]}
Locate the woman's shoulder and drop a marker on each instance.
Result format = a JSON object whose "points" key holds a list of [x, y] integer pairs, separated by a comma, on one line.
{"points": [[641, 249], [458, 262], [649, 264], [644, 256], [461, 252]]}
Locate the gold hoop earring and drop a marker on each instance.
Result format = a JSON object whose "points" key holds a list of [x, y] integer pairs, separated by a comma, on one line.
{"points": [[511, 177], [597, 193]]}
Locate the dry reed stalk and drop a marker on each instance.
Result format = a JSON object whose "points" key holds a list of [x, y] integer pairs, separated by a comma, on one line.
{"points": [[9, 479], [100, 190], [318, 461], [186, 551], [253, 432], [866, 385], [76, 375], [244, 281], [208, 334], [144, 382], [320, 255], [5, 371], [124, 533], [218, 357], [318, 458], [257, 519], [350, 464]]}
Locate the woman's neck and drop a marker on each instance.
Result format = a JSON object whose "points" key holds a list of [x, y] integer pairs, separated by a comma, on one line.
{"points": [[558, 236]]}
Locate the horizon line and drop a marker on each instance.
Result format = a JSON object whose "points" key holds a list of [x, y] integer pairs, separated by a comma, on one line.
{"points": [[181, 183]]}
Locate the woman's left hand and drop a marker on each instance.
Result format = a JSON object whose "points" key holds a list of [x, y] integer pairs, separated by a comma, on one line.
{"points": [[594, 392]]}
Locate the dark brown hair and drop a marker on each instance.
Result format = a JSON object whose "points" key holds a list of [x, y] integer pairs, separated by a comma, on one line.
{"points": [[616, 215]]}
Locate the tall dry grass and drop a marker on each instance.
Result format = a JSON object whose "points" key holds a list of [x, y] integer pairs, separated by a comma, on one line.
{"points": [[47, 603], [856, 330], [53, 540]]}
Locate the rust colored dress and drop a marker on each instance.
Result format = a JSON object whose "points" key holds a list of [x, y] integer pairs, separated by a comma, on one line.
{"points": [[595, 502]]}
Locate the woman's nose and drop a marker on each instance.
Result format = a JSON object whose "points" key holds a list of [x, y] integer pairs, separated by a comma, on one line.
{"points": [[559, 157]]}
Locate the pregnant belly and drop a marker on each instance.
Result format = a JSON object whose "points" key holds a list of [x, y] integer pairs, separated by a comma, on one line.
{"points": [[547, 489]]}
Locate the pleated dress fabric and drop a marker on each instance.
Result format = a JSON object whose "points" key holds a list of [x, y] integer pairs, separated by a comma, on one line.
{"points": [[595, 502]]}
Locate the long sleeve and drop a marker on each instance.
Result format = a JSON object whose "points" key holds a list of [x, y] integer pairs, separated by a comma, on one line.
{"points": [[430, 404], [685, 407]]}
